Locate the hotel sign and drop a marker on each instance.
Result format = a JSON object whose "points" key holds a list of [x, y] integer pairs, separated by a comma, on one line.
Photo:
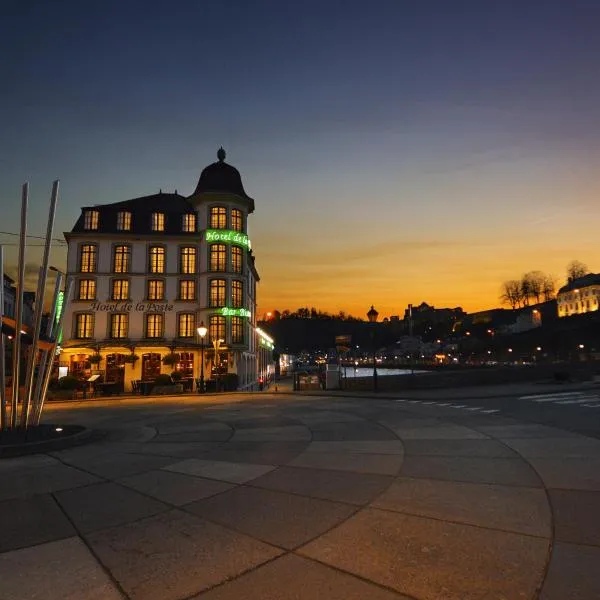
{"points": [[131, 307], [235, 312], [228, 236]]}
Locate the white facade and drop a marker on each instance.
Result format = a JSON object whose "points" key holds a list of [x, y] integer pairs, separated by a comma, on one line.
{"points": [[148, 272]]}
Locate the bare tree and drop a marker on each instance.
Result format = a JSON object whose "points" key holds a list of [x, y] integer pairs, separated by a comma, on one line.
{"points": [[576, 269], [532, 285], [549, 287], [511, 293]]}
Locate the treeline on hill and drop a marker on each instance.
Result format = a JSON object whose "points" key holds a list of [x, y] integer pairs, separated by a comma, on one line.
{"points": [[309, 313]]}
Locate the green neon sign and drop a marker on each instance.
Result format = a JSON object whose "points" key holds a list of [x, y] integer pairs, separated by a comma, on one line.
{"points": [[60, 300], [235, 312], [228, 236], [267, 344]]}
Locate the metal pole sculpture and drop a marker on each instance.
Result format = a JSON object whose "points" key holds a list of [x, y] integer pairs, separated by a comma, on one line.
{"points": [[16, 362], [39, 306], [3, 423]]}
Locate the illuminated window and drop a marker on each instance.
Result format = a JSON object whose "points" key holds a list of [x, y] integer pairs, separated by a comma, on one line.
{"points": [[156, 256], [216, 328], [84, 326], [187, 260], [189, 222], [87, 259], [218, 217], [154, 325], [237, 259], [122, 259], [124, 220], [236, 219], [237, 294], [118, 325], [90, 219], [120, 289], [87, 289], [158, 221], [217, 292], [218, 257], [237, 330], [187, 289], [156, 289], [186, 325]]}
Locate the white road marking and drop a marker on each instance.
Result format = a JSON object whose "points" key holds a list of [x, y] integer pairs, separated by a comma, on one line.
{"points": [[443, 404], [489, 411], [460, 406], [475, 408], [428, 402], [597, 405], [579, 400], [558, 395]]}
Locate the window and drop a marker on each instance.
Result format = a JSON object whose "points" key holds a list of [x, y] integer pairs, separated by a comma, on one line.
{"points": [[237, 259], [237, 294], [156, 289], [186, 325], [236, 219], [217, 293], [120, 289], [154, 325], [216, 328], [237, 330], [122, 259], [124, 220], [189, 223], [158, 221], [87, 260], [90, 219], [187, 260], [84, 326], [218, 217], [87, 289], [187, 289], [218, 257], [118, 325], [156, 256]]}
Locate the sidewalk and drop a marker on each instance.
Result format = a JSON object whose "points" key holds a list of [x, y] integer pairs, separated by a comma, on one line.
{"points": [[293, 498]]}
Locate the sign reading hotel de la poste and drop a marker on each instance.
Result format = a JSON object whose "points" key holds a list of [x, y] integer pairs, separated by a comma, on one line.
{"points": [[130, 307]]}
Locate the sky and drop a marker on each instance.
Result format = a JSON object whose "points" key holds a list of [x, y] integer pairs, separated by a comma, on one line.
{"points": [[399, 151]]}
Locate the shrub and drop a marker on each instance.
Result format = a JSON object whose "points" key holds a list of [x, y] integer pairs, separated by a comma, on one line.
{"points": [[176, 376], [94, 359], [130, 358], [163, 379], [68, 382]]}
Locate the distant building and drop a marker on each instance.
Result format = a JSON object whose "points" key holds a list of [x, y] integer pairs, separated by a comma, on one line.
{"points": [[581, 295], [425, 313], [10, 303]]}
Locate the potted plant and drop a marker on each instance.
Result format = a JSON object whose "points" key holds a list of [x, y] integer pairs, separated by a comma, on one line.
{"points": [[94, 359], [131, 358], [170, 359]]}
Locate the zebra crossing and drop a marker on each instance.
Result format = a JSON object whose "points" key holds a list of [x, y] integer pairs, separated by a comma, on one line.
{"points": [[466, 407], [587, 399]]}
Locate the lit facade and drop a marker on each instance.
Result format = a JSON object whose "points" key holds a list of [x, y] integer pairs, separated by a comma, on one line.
{"points": [[148, 272], [579, 296]]}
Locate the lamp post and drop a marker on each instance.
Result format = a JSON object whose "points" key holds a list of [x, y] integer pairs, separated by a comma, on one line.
{"points": [[202, 330], [372, 316]]}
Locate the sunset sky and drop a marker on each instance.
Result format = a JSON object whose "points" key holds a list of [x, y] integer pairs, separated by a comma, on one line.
{"points": [[398, 150]]}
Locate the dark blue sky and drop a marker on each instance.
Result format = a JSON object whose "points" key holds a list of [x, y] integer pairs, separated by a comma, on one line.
{"points": [[336, 112]]}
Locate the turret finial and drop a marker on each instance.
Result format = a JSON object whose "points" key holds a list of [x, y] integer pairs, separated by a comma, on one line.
{"points": [[221, 154]]}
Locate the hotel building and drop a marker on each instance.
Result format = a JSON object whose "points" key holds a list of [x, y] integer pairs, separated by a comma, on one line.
{"points": [[148, 272], [579, 296]]}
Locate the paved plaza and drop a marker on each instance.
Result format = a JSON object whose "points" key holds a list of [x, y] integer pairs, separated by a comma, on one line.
{"points": [[283, 496]]}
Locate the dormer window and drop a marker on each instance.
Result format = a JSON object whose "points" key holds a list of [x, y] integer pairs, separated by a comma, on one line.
{"points": [[189, 223], [158, 221], [124, 220], [90, 219]]}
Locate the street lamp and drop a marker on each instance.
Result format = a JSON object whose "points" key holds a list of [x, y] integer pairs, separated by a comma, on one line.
{"points": [[202, 330], [217, 345], [372, 316]]}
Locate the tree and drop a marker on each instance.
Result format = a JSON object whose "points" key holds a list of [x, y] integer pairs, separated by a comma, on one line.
{"points": [[549, 287], [576, 269], [532, 286], [511, 293]]}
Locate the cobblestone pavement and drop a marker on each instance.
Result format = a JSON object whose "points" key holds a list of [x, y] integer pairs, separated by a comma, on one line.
{"points": [[294, 497]]}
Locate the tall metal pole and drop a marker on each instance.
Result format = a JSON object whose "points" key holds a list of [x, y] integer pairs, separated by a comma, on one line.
{"points": [[202, 364], [39, 308], [52, 351], [16, 362], [3, 423]]}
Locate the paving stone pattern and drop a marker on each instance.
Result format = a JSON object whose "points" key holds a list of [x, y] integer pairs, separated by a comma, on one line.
{"points": [[291, 497]]}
